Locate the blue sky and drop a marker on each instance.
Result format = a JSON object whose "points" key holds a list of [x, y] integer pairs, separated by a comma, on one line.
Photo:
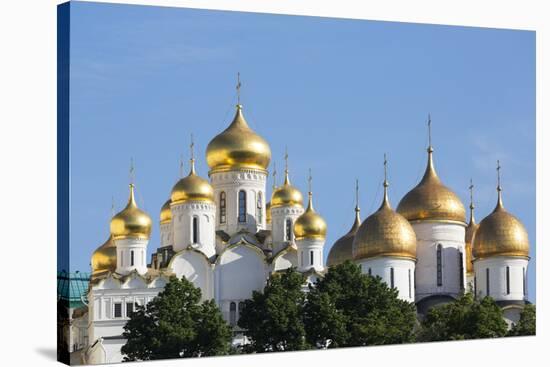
{"points": [[339, 93]]}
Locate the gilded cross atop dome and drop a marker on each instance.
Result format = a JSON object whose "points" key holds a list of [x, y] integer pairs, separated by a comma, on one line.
{"points": [[238, 88]]}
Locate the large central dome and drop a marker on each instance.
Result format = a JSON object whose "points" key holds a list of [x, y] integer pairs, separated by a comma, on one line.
{"points": [[238, 146], [432, 200]]}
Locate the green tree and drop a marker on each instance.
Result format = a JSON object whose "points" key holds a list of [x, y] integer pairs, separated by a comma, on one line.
{"points": [[465, 318], [273, 319], [348, 308], [175, 324], [527, 324]]}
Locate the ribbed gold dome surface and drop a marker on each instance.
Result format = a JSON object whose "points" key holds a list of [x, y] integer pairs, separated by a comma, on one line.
{"points": [[166, 213], [238, 146], [310, 224], [286, 195], [104, 257], [500, 234], [431, 200], [131, 222], [342, 249], [192, 188], [385, 233]]}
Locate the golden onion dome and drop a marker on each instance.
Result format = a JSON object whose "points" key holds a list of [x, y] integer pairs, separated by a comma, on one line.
{"points": [[104, 257], [166, 213], [286, 195], [310, 224], [342, 249], [192, 188], [268, 212], [500, 234], [131, 222], [238, 146], [431, 200], [385, 233], [469, 238]]}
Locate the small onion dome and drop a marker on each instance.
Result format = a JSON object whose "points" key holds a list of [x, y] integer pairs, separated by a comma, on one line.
{"points": [[166, 213], [431, 200], [310, 224], [385, 233], [500, 234], [104, 257], [342, 249], [286, 195], [192, 188], [131, 222], [268, 212], [470, 232], [238, 146]]}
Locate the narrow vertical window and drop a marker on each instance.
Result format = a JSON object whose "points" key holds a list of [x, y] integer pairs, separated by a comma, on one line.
{"points": [[241, 306], [132, 258], [439, 266], [507, 280], [410, 284], [392, 282], [461, 269], [222, 207], [129, 309], [242, 206], [259, 207], [310, 257], [288, 232], [524, 287], [232, 313], [487, 281], [195, 230], [118, 310], [370, 271], [475, 287]]}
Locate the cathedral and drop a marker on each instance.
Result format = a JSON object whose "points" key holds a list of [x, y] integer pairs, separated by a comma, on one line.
{"points": [[225, 237]]}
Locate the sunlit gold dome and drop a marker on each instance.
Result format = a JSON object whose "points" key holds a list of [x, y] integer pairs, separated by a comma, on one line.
{"points": [[238, 146], [166, 213], [268, 212], [342, 249], [104, 257], [131, 222], [385, 233], [470, 233], [500, 234], [286, 195], [310, 224], [431, 200], [192, 188]]}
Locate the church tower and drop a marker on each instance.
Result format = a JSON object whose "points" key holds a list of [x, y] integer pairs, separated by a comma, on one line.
{"points": [[385, 246], [130, 231], [438, 218], [238, 159]]}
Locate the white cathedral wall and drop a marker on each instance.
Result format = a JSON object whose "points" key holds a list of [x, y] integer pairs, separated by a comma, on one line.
{"points": [[286, 260], [124, 249], [451, 236], [252, 181], [403, 273], [279, 217], [310, 249], [182, 221], [239, 270], [196, 268], [497, 278], [166, 234]]}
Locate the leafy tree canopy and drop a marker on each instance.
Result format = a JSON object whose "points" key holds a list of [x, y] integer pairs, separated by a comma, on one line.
{"points": [[273, 319], [176, 324], [465, 318], [527, 324]]}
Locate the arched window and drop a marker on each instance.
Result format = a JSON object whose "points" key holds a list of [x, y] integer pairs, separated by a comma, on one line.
{"points": [[259, 207], [487, 281], [439, 266], [195, 230], [507, 280], [222, 207], [461, 269], [392, 279], [311, 258], [132, 258], [232, 313], [288, 231], [242, 206]]}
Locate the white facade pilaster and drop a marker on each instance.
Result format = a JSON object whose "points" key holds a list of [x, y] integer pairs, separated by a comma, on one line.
{"points": [[183, 217], [166, 234]]}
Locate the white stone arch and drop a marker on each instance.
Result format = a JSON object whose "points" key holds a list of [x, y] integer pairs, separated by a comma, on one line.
{"points": [[285, 259], [109, 283], [195, 267]]}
